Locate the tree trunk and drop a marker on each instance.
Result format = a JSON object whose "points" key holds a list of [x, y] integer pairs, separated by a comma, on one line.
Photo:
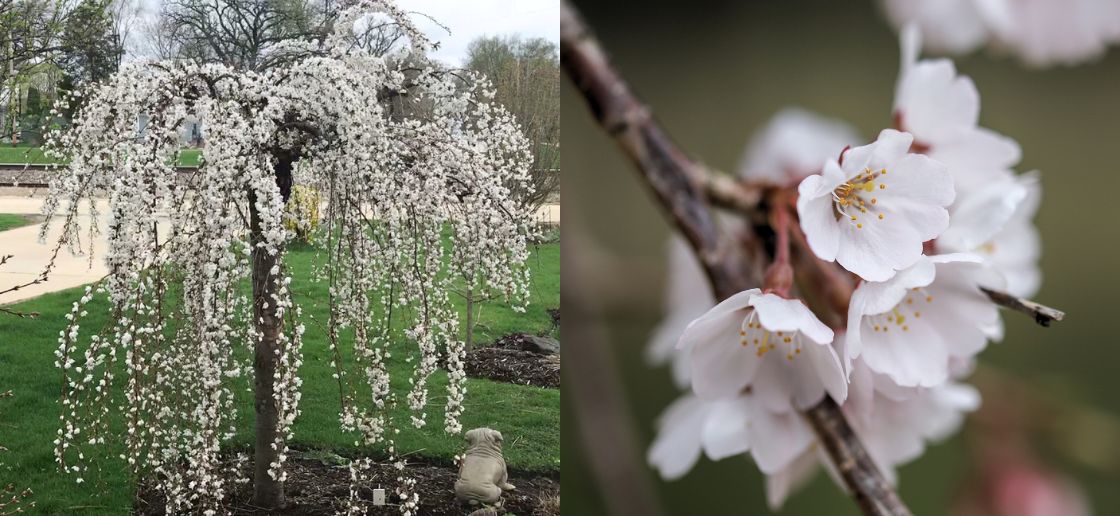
{"points": [[469, 340], [268, 493]]}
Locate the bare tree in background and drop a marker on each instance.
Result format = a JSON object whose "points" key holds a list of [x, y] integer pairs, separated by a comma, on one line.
{"points": [[236, 33], [526, 77]]}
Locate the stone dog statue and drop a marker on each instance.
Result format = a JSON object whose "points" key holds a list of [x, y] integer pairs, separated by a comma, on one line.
{"points": [[482, 473]]}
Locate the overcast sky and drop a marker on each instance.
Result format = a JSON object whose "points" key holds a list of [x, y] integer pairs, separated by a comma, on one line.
{"points": [[467, 20], [470, 19]]}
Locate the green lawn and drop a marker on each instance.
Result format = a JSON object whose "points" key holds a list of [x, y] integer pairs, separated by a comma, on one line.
{"points": [[528, 417], [33, 155], [14, 220], [19, 155]]}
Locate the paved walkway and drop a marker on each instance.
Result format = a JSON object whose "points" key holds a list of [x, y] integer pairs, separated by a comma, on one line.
{"points": [[29, 257]]}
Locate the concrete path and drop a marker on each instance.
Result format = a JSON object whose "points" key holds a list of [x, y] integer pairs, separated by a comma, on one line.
{"points": [[29, 257]]}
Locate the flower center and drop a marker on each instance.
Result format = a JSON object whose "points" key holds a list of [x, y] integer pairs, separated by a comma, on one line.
{"points": [[854, 200], [753, 334], [903, 313]]}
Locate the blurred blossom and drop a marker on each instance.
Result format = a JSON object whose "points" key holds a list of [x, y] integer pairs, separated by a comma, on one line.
{"points": [[996, 222], [725, 427], [1041, 33], [687, 296], [794, 144], [1018, 486], [948, 26]]}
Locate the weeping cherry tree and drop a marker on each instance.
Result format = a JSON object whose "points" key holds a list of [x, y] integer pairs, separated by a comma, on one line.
{"points": [[416, 169]]}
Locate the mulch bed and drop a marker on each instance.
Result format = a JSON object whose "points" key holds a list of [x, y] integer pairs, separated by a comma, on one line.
{"points": [[506, 361], [316, 487]]}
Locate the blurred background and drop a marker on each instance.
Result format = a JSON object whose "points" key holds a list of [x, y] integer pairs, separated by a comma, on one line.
{"points": [[713, 72]]}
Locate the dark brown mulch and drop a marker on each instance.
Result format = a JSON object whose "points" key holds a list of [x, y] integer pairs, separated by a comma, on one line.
{"points": [[315, 487], [506, 361]]}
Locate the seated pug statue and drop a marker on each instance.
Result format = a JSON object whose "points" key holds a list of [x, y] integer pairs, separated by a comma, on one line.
{"points": [[482, 473]]}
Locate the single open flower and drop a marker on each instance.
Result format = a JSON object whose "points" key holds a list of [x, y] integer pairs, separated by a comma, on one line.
{"points": [[872, 211], [942, 111], [909, 327], [774, 345]]}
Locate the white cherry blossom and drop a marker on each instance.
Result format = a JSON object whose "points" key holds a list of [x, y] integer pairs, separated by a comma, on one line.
{"points": [[774, 345], [941, 109], [894, 423], [687, 296], [792, 145], [911, 326], [995, 222], [872, 212], [947, 26], [723, 428], [1047, 33], [1041, 33]]}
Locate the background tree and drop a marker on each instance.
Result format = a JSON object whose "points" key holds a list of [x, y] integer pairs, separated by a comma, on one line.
{"points": [[95, 45], [526, 78], [236, 33], [85, 38]]}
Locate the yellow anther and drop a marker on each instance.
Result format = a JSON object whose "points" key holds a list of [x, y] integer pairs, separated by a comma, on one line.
{"points": [[880, 216], [882, 186], [787, 340], [929, 299]]}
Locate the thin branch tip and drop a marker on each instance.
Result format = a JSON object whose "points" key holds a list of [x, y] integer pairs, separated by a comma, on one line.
{"points": [[1042, 314]]}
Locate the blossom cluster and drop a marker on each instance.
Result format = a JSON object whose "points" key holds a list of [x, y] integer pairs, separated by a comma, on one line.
{"points": [[415, 167], [1040, 32], [913, 225]]}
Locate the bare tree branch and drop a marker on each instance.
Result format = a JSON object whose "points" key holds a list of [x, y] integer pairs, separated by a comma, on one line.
{"points": [[683, 187], [1043, 315]]}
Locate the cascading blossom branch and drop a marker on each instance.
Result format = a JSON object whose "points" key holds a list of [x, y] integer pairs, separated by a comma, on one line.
{"points": [[894, 243], [405, 156]]}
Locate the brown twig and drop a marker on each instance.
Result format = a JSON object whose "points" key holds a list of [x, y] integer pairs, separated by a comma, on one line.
{"points": [[678, 182], [1043, 315], [682, 187]]}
